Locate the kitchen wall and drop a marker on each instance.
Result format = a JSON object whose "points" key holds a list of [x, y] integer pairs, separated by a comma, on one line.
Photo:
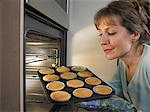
{"points": [[83, 46]]}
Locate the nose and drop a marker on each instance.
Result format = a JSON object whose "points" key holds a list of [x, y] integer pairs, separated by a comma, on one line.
{"points": [[104, 40]]}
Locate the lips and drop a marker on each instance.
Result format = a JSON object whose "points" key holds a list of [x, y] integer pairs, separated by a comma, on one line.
{"points": [[107, 50]]}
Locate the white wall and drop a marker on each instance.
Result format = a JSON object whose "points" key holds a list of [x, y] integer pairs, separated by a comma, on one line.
{"points": [[83, 46]]}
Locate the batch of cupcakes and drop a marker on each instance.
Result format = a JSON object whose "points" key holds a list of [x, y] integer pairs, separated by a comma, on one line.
{"points": [[70, 74]]}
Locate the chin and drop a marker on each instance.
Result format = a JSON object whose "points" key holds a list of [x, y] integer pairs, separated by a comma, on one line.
{"points": [[110, 57]]}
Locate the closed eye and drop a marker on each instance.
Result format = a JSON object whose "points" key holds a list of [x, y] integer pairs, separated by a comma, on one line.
{"points": [[112, 33], [100, 34]]}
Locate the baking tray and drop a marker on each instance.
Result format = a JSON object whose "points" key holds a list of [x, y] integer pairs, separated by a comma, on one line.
{"points": [[74, 99]]}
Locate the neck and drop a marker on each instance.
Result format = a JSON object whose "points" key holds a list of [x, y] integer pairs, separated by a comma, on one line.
{"points": [[133, 56]]}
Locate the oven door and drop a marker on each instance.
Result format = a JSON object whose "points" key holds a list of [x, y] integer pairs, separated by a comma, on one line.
{"points": [[34, 90]]}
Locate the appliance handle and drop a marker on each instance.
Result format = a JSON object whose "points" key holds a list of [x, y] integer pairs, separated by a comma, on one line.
{"points": [[40, 32], [35, 94]]}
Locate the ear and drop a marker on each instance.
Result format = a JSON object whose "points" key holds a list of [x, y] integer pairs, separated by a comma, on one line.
{"points": [[135, 36]]}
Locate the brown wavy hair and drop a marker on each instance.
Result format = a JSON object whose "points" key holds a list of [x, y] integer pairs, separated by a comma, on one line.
{"points": [[134, 15]]}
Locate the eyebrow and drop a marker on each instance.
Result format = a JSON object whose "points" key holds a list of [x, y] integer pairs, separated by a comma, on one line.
{"points": [[108, 29]]}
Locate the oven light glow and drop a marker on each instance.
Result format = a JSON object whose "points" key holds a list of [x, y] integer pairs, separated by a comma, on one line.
{"points": [[35, 43]]}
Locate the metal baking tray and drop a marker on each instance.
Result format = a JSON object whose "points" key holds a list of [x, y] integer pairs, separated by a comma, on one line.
{"points": [[74, 99]]}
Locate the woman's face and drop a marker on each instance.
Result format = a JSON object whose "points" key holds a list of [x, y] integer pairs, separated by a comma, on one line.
{"points": [[115, 40]]}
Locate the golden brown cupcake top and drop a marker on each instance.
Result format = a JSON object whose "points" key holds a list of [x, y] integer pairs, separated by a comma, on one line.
{"points": [[78, 68], [75, 83], [51, 77], [102, 89], [46, 71], [60, 96], [82, 93], [55, 85], [62, 69], [84, 74], [93, 81], [68, 75]]}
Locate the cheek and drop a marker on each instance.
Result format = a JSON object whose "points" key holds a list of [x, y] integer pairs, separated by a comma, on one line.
{"points": [[123, 47], [120, 44], [115, 42]]}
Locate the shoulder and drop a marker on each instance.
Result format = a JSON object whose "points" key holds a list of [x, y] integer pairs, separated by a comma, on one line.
{"points": [[146, 61], [147, 49], [146, 55]]}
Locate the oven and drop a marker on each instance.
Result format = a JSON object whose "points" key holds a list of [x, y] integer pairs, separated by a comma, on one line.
{"points": [[44, 46]]}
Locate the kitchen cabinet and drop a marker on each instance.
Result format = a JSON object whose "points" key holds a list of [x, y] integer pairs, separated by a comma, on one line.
{"points": [[11, 59], [57, 10]]}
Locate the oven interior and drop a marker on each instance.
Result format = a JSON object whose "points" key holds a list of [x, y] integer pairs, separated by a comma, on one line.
{"points": [[41, 51]]}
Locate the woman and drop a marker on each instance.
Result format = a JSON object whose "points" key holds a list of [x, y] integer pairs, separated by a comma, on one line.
{"points": [[124, 30]]}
